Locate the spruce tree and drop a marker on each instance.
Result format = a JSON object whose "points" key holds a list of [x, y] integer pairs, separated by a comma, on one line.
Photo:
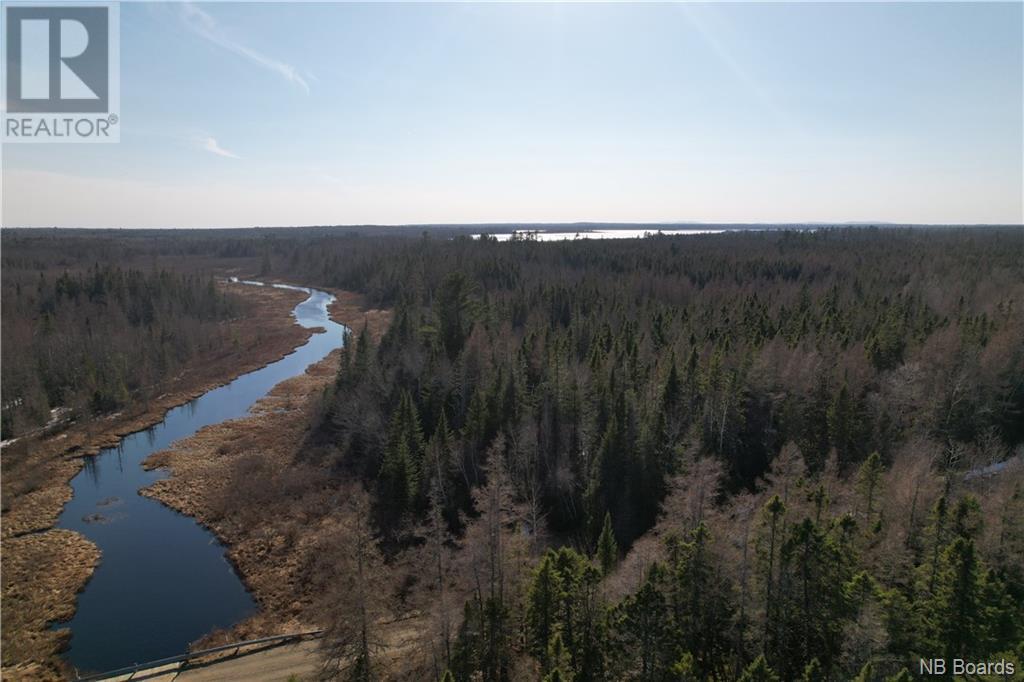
{"points": [[556, 675], [758, 671], [685, 669], [868, 478], [642, 630], [813, 672], [590, 647], [542, 609], [867, 673], [558, 656], [958, 612], [607, 548], [772, 514]]}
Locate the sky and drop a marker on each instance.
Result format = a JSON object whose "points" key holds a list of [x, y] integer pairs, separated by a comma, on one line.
{"points": [[237, 114]]}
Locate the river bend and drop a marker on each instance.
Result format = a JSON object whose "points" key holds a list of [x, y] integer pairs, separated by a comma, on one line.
{"points": [[163, 580]]}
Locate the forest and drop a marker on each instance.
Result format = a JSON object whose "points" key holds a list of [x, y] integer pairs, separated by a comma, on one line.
{"points": [[88, 328], [745, 456], [756, 455]]}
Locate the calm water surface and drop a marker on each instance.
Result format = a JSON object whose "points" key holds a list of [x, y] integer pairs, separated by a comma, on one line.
{"points": [[599, 234], [163, 580]]}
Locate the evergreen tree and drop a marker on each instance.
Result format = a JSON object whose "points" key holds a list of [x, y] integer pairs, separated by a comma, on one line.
{"points": [[398, 480], [684, 670], [937, 531], [957, 609], [607, 548], [672, 391], [558, 656], [868, 478], [590, 647], [844, 424], [402, 482], [542, 609], [772, 516], [556, 675], [814, 602], [642, 630], [866, 674], [758, 671], [700, 603], [813, 672], [453, 304]]}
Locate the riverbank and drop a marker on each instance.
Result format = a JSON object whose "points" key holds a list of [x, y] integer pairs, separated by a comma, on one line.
{"points": [[219, 474], [44, 568], [42, 574]]}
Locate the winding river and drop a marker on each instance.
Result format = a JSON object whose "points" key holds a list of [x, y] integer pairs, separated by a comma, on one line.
{"points": [[163, 580]]}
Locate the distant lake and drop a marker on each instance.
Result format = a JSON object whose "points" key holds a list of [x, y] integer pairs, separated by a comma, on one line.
{"points": [[594, 234]]}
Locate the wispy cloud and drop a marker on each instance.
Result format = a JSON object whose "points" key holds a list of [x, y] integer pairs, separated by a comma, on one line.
{"points": [[702, 19], [206, 26], [209, 143]]}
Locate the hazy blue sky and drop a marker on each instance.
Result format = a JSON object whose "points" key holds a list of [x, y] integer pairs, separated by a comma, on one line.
{"points": [[275, 114]]}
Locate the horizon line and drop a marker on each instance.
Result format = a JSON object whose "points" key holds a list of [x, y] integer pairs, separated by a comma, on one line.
{"points": [[513, 225]]}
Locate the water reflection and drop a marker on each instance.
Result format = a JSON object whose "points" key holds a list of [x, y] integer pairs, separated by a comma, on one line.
{"points": [[91, 470], [163, 581]]}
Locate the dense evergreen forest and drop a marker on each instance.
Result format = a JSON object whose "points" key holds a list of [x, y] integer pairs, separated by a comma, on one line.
{"points": [[89, 326], [773, 428], [774, 455]]}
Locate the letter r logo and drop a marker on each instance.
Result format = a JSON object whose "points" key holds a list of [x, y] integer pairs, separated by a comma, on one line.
{"points": [[57, 59]]}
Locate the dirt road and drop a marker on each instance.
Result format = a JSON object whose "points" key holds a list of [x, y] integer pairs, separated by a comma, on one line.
{"points": [[287, 662]]}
